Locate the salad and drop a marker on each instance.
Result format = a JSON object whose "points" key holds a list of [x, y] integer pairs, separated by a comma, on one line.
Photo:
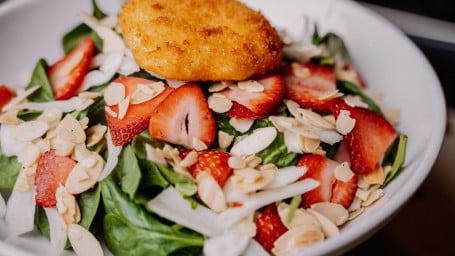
{"points": [[95, 149]]}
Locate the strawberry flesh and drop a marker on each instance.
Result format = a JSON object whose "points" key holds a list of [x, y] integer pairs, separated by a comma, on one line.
{"points": [[6, 94], [330, 189], [269, 227], [67, 74], [256, 104], [182, 117], [137, 117], [370, 138], [51, 171], [214, 162]]}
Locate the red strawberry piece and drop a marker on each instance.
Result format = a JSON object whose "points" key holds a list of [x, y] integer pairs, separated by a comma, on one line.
{"points": [[330, 189], [214, 162], [269, 227], [67, 74], [137, 117], [52, 170], [369, 139], [182, 117], [256, 104], [6, 94], [306, 83]]}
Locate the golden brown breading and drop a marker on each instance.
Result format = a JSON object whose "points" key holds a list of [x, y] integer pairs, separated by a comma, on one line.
{"points": [[200, 40]]}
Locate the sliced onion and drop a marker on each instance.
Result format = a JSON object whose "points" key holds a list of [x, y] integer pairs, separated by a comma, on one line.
{"points": [[9, 145], [2, 206], [57, 230], [170, 205], [286, 175], [111, 40], [263, 198], [70, 105], [112, 159], [258, 140], [109, 63], [20, 210], [255, 249], [230, 243]]}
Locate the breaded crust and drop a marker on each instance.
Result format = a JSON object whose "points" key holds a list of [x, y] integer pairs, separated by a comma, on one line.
{"points": [[200, 40]]}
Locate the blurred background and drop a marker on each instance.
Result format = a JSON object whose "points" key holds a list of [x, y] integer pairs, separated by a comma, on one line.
{"points": [[426, 224]]}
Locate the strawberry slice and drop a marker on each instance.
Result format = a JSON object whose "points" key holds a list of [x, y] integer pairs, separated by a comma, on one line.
{"points": [[306, 83], [52, 170], [330, 189], [67, 74], [137, 117], [247, 104], [269, 227], [183, 117], [213, 161], [6, 94], [370, 138]]}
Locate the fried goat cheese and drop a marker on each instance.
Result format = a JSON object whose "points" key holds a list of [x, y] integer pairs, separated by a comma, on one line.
{"points": [[200, 40]]}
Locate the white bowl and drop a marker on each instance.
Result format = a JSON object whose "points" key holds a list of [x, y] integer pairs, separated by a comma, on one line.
{"points": [[389, 62]]}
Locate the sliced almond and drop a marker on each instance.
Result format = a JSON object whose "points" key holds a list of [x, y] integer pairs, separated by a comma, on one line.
{"points": [[89, 95], [219, 86], [344, 123], [328, 227], [335, 212], [210, 192], [377, 176], [110, 112], [374, 196], [343, 172], [300, 71], [83, 241], [354, 101], [330, 95], [236, 162], [356, 213], [301, 217], [315, 119], [248, 180], [9, 117], [67, 206], [51, 116], [198, 144], [123, 107], [30, 130], [258, 140], [29, 154], [241, 124], [250, 86], [219, 103], [146, 92], [297, 238], [62, 146], [224, 139], [155, 155], [95, 134], [70, 129], [85, 174], [190, 159]]}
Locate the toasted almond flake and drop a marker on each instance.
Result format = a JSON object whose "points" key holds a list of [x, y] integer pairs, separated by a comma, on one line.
{"points": [[51, 116], [328, 227], [110, 112], [123, 107], [355, 205], [114, 93], [253, 161], [377, 176], [219, 86], [310, 145], [374, 196], [236, 162], [43, 145], [386, 169], [249, 180], [146, 92], [343, 172], [155, 155], [330, 119], [356, 213], [293, 142], [300, 71], [354, 101], [62, 146], [258, 140], [198, 144], [250, 86], [330, 95], [67, 205], [297, 238], [224, 139], [210, 192], [95, 134], [219, 103], [190, 159], [9, 117], [89, 95], [241, 124], [24, 183], [29, 154], [83, 241], [315, 119], [362, 194], [80, 152], [293, 107], [30, 130], [344, 123], [92, 166], [70, 128], [335, 212], [300, 218]]}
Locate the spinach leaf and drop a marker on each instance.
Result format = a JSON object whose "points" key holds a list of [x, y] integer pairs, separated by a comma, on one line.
{"points": [[123, 238], [128, 171], [277, 153], [9, 170], [39, 78], [89, 203], [335, 46], [130, 230], [97, 13], [28, 115], [41, 222], [351, 88]]}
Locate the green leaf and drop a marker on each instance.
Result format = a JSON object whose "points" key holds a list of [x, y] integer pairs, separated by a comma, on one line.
{"points": [[41, 222], [350, 88], [9, 170], [123, 238], [40, 79], [28, 115], [75, 36], [97, 13], [89, 203], [400, 157], [128, 171], [277, 153], [335, 46]]}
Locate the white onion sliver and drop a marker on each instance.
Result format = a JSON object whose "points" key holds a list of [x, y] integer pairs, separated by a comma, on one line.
{"points": [[263, 198], [112, 159], [70, 105], [128, 66], [109, 64], [57, 230], [9, 145], [175, 83], [111, 40], [170, 205], [330, 137], [20, 210], [2, 206], [258, 140], [255, 249], [241, 124], [286, 175], [230, 243], [292, 142]]}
